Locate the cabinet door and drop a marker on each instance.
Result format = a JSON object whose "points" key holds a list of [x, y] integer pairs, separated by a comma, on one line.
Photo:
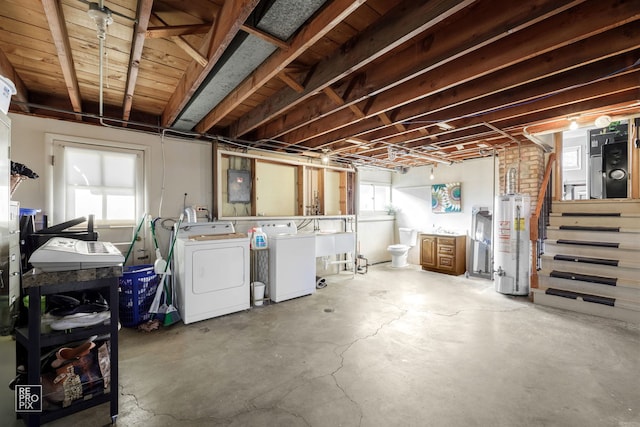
{"points": [[428, 252]]}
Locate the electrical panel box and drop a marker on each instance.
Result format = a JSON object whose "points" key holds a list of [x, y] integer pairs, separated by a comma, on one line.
{"points": [[238, 186]]}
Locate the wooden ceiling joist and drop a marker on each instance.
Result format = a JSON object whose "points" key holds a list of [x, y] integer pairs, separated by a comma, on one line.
{"points": [[372, 44], [431, 50], [232, 16], [265, 36], [477, 64], [290, 81], [323, 23], [142, 17], [60, 36], [176, 30]]}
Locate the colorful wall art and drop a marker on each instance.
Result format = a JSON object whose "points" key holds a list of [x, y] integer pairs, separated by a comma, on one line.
{"points": [[446, 198]]}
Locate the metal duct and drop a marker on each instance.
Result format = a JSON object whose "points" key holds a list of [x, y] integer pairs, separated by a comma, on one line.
{"points": [[281, 18]]}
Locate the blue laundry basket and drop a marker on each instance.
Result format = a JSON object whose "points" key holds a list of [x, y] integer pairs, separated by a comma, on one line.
{"points": [[138, 286]]}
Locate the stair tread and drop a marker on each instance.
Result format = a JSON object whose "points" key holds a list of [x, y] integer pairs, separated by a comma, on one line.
{"points": [[588, 243], [581, 259], [603, 280], [622, 310], [584, 296], [587, 260], [595, 229], [590, 214], [611, 279]]}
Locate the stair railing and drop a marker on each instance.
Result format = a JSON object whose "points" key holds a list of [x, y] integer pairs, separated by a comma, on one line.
{"points": [[540, 221]]}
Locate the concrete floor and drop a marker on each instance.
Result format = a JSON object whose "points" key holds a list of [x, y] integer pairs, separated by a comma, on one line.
{"points": [[389, 348]]}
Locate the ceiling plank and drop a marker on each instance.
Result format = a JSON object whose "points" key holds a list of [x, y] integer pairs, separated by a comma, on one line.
{"points": [[324, 22], [61, 40], [142, 16], [176, 30], [230, 18], [520, 46], [7, 70]]}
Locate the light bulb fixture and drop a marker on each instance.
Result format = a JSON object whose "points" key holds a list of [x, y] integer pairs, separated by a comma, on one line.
{"points": [[102, 17], [432, 176], [603, 121], [325, 156], [573, 125]]}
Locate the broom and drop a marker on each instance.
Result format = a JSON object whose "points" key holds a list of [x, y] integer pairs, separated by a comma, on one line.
{"points": [[171, 315]]}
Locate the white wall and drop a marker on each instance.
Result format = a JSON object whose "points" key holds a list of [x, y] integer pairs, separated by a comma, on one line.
{"points": [[375, 232], [411, 193], [187, 168]]}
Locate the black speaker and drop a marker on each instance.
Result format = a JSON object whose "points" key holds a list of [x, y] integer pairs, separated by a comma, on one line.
{"points": [[615, 169]]}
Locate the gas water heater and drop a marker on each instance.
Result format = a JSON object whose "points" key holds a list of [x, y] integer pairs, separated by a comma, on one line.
{"points": [[512, 245]]}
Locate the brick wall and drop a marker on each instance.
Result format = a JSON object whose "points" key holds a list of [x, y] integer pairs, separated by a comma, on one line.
{"points": [[531, 169]]}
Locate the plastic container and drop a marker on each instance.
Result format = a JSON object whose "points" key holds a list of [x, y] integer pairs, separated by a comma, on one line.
{"points": [[7, 89], [137, 288], [258, 293], [258, 239]]}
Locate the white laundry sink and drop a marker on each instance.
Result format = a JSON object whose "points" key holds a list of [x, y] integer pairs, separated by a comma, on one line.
{"points": [[331, 243]]}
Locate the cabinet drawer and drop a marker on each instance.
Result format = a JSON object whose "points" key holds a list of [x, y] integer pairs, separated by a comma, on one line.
{"points": [[446, 262], [446, 249], [451, 241]]}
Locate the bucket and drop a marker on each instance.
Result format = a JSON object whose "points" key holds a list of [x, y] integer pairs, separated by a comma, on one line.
{"points": [[7, 89], [258, 293]]}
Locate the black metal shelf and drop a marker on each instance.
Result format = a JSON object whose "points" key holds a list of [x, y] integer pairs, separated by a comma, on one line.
{"points": [[30, 339]]}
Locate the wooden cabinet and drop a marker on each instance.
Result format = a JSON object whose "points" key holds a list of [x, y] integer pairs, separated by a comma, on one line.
{"points": [[443, 254]]}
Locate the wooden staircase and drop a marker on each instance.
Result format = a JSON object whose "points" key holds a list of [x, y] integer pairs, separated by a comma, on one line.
{"points": [[591, 259]]}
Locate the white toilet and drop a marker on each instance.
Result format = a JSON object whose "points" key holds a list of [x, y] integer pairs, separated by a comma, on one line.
{"points": [[399, 252]]}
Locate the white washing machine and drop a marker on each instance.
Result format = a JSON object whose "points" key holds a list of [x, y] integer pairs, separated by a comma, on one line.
{"points": [[211, 263], [292, 261]]}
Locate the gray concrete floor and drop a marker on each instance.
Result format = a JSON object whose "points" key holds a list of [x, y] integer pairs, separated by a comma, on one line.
{"points": [[389, 348]]}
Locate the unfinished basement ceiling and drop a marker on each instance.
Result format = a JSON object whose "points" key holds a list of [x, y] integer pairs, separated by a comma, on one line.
{"points": [[388, 83]]}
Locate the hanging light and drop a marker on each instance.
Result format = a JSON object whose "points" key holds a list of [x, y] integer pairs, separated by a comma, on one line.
{"points": [[432, 176], [573, 125], [325, 156], [603, 121]]}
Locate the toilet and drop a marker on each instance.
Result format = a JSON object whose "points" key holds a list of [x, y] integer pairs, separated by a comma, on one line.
{"points": [[399, 252]]}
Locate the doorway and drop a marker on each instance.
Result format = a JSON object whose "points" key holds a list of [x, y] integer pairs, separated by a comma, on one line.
{"points": [[595, 162]]}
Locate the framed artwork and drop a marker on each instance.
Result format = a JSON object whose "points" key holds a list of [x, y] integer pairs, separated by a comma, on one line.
{"points": [[446, 198]]}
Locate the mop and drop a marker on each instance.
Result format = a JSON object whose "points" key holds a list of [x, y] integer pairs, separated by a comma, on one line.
{"points": [[171, 315], [159, 268]]}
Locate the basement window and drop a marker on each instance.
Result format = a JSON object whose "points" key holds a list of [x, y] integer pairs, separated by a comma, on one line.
{"points": [[374, 198], [97, 179]]}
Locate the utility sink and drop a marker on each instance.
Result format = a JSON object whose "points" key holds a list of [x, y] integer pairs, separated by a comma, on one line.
{"points": [[334, 242]]}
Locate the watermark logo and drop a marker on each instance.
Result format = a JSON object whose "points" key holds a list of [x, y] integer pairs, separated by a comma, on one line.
{"points": [[28, 398]]}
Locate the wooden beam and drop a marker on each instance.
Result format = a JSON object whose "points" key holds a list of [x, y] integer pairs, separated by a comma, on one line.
{"points": [[191, 51], [333, 95], [433, 49], [614, 42], [407, 20], [58, 28], [176, 30], [142, 16], [265, 36], [231, 17], [478, 64], [327, 19], [291, 82], [7, 70]]}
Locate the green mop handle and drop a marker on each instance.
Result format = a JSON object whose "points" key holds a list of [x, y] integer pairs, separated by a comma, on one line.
{"points": [[166, 267], [135, 236]]}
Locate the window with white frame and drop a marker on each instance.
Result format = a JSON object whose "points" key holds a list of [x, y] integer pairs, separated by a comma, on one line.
{"points": [[374, 197], [98, 179]]}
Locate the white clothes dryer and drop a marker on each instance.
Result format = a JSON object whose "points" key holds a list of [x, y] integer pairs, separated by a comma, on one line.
{"points": [[211, 264]]}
